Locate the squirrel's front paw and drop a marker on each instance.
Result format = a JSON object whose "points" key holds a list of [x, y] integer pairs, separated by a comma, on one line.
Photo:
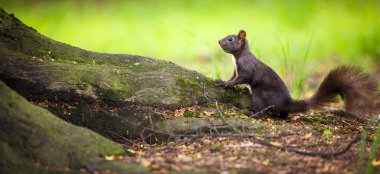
{"points": [[228, 85], [219, 82]]}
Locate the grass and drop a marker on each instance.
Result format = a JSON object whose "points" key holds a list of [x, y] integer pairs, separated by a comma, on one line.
{"points": [[293, 68], [362, 151], [317, 34], [365, 164], [300, 75], [372, 152]]}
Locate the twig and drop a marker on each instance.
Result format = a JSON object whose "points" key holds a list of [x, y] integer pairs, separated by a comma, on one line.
{"points": [[240, 135], [262, 111], [217, 107], [348, 114], [216, 101], [313, 153], [120, 136]]}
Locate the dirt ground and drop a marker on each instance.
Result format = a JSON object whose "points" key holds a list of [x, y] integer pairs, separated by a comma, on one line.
{"points": [[312, 142], [266, 150]]}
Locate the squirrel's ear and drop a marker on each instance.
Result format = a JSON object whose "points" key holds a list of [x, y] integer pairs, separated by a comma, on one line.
{"points": [[242, 34]]}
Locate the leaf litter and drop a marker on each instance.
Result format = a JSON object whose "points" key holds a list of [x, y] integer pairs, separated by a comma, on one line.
{"points": [[313, 131]]}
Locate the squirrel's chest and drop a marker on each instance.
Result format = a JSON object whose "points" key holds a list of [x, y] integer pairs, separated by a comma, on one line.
{"points": [[237, 74], [235, 65]]}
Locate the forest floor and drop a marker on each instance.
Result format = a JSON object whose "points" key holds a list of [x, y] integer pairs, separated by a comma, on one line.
{"points": [[311, 142], [279, 147]]}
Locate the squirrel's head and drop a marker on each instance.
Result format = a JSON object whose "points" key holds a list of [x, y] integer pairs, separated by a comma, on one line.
{"points": [[233, 43]]}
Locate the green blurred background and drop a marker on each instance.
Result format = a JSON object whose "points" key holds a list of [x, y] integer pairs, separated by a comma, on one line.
{"points": [[297, 38]]}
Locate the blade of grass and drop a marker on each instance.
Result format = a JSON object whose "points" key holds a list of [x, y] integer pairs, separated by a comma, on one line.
{"points": [[362, 151], [300, 75], [216, 68], [373, 151]]}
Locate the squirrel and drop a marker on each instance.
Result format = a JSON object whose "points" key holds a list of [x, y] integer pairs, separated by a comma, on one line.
{"points": [[270, 96]]}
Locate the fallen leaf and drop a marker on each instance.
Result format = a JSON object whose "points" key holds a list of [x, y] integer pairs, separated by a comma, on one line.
{"points": [[145, 162], [307, 136], [131, 151], [139, 152], [295, 118], [217, 147], [110, 158], [375, 163], [373, 137], [119, 157], [275, 143], [265, 163], [196, 155]]}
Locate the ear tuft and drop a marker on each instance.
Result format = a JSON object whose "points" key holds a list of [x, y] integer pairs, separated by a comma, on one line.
{"points": [[242, 35]]}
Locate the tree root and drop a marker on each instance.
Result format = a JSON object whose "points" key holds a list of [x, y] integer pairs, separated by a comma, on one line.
{"points": [[348, 114], [314, 153]]}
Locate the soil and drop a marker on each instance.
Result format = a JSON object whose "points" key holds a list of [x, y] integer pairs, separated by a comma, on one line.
{"points": [[303, 143], [259, 151]]}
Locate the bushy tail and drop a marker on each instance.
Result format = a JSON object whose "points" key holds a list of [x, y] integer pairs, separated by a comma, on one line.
{"points": [[351, 83]]}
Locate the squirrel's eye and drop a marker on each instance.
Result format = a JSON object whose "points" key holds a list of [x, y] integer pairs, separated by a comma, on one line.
{"points": [[230, 39]]}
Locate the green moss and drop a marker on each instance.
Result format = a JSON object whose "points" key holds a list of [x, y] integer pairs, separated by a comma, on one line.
{"points": [[185, 82], [241, 89], [111, 150], [319, 128], [238, 96], [259, 130], [218, 116], [117, 83], [217, 147], [327, 133], [209, 104], [315, 119], [188, 113], [186, 89]]}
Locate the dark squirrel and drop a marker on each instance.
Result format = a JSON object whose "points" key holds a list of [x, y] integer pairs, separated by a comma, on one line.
{"points": [[270, 94]]}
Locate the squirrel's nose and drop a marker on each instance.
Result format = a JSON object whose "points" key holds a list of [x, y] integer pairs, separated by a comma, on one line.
{"points": [[220, 41]]}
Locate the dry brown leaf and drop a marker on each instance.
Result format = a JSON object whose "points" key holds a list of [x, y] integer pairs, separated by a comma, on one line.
{"points": [[145, 162], [307, 136], [275, 143], [265, 162]]}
